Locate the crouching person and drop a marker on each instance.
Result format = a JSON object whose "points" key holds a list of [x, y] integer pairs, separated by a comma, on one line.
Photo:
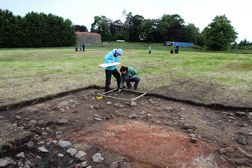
{"points": [[128, 75]]}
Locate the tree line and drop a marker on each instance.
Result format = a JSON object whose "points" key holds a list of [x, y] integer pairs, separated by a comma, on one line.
{"points": [[243, 45], [47, 30], [218, 35], [35, 30]]}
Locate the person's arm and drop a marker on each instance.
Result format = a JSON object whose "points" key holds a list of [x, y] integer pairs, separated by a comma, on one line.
{"points": [[109, 57], [116, 59]]}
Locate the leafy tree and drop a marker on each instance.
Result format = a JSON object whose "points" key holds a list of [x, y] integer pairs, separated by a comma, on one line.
{"points": [[147, 29], [102, 25], [35, 30], [116, 29], [19, 33], [67, 33], [219, 34], [80, 28], [156, 35], [243, 44], [43, 30], [171, 27], [9, 29], [133, 26], [234, 46], [192, 33]]}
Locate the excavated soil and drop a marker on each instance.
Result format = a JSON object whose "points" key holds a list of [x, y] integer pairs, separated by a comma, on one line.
{"points": [[150, 133]]}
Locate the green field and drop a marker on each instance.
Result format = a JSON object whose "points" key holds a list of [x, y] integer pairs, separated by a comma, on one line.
{"points": [[207, 77]]}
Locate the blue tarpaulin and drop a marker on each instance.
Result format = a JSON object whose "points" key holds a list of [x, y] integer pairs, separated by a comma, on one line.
{"points": [[181, 44]]}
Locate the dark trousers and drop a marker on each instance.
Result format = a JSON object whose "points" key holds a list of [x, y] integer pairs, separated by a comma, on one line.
{"points": [[132, 79], [109, 73]]}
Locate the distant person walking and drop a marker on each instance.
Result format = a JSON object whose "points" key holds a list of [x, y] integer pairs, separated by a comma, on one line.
{"points": [[112, 56]]}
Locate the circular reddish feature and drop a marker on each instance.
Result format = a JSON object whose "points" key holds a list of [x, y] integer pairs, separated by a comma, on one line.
{"points": [[152, 146]]}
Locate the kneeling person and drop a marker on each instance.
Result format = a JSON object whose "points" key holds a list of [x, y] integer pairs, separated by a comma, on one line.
{"points": [[129, 74]]}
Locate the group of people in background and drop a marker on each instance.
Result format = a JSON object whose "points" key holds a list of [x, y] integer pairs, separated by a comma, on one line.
{"points": [[128, 74], [175, 50], [82, 48]]}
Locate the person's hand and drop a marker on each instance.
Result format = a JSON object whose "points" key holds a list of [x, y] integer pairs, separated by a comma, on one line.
{"points": [[119, 90]]}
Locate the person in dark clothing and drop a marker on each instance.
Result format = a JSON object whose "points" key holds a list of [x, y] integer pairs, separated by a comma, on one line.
{"points": [[176, 49], [83, 47], [129, 74], [112, 56]]}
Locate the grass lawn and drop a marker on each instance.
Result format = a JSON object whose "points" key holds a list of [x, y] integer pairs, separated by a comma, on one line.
{"points": [[207, 77]]}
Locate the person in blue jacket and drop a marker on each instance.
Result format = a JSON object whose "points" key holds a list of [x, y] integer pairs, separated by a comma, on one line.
{"points": [[112, 56]]}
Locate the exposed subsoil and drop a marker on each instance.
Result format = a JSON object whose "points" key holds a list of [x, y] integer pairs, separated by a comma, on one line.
{"points": [[207, 93], [150, 133]]}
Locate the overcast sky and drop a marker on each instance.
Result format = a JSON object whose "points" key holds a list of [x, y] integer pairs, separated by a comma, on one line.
{"points": [[199, 12]]}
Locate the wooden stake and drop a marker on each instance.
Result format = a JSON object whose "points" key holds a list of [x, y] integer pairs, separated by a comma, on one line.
{"points": [[113, 97], [118, 98], [138, 96], [109, 91], [135, 91]]}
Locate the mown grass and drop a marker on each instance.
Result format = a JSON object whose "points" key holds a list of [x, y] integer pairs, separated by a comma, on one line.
{"points": [[31, 73]]}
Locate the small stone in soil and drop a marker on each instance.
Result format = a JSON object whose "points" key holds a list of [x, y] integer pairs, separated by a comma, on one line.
{"points": [[43, 149], [97, 157], [64, 144], [71, 151]]}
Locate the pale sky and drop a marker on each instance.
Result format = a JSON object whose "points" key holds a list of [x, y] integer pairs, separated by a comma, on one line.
{"points": [[199, 12]]}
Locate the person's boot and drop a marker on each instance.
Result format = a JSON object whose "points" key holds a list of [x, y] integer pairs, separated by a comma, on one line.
{"points": [[128, 85], [135, 86], [107, 89]]}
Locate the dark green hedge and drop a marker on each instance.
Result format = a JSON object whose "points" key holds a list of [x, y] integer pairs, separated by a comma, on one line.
{"points": [[35, 30]]}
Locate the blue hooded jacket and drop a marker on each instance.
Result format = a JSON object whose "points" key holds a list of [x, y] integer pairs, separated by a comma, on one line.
{"points": [[110, 58]]}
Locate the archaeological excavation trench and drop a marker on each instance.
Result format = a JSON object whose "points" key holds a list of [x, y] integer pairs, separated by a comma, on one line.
{"points": [[103, 132]]}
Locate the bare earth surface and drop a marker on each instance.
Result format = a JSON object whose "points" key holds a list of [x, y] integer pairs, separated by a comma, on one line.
{"points": [[205, 92], [149, 133]]}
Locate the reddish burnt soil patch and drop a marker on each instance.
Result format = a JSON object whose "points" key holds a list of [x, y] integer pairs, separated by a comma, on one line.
{"points": [[149, 145], [151, 133]]}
